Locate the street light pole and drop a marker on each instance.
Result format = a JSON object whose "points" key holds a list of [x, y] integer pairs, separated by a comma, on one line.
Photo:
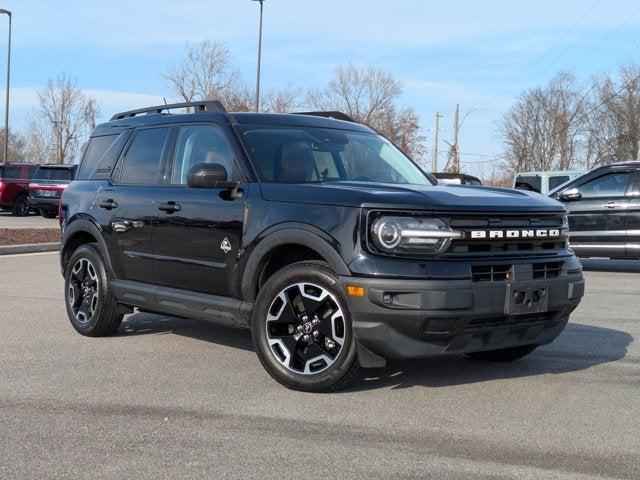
{"points": [[259, 58], [6, 111]]}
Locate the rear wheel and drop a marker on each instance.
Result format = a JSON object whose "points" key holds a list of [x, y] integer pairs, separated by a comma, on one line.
{"points": [[20, 207], [301, 329], [505, 354], [90, 304]]}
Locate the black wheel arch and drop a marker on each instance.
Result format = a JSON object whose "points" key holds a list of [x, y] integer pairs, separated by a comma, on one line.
{"points": [[302, 235], [79, 232]]}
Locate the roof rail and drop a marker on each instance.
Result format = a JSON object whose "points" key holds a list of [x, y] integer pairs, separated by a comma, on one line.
{"points": [[199, 107], [329, 114]]}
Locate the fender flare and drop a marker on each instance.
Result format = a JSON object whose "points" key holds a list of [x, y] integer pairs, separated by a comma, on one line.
{"points": [[300, 234], [85, 225]]}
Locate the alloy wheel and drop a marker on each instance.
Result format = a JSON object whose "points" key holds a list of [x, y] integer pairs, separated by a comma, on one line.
{"points": [[305, 328], [83, 290]]}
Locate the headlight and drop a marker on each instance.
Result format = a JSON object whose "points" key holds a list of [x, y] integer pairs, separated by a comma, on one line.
{"points": [[411, 235]]}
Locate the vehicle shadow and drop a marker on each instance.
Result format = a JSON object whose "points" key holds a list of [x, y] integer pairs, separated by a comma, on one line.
{"points": [[579, 347], [607, 265], [148, 323]]}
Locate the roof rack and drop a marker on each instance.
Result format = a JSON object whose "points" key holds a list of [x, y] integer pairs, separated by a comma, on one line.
{"points": [[199, 107], [329, 114]]}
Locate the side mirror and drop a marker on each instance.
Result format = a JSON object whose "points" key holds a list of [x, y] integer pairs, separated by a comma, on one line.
{"points": [[207, 175], [570, 195]]}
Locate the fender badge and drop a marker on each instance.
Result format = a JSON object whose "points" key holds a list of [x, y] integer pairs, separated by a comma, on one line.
{"points": [[225, 245]]}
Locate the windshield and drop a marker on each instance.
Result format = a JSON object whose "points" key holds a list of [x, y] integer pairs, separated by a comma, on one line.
{"points": [[310, 155], [52, 174]]}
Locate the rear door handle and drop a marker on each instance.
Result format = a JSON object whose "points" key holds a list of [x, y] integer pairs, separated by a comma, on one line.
{"points": [[107, 203], [169, 207]]}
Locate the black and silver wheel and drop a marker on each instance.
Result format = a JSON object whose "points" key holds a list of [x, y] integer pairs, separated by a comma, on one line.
{"points": [[90, 305], [20, 207], [302, 330], [504, 354]]}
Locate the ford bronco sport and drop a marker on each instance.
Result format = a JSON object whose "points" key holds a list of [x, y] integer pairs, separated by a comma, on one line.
{"points": [[318, 234]]}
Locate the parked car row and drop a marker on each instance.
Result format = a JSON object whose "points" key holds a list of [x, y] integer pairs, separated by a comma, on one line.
{"points": [[26, 187]]}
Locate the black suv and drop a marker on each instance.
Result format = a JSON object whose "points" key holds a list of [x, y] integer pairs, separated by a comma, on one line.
{"points": [[318, 234], [604, 211]]}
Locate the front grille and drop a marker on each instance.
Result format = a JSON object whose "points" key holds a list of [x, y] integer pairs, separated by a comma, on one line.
{"points": [[490, 273], [547, 270], [468, 246]]}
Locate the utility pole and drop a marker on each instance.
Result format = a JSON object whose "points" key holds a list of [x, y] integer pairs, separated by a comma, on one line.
{"points": [[456, 149], [6, 111], [259, 58], [434, 163]]}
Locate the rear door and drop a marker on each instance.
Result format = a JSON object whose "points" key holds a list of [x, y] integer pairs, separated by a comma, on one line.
{"points": [[127, 203], [198, 232], [598, 220]]}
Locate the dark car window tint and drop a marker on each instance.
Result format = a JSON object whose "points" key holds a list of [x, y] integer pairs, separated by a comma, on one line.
{"points": [[610, 185], [529, 182], [143, 159], [200, 144], [10, 172], [555, 182], [100, 156], [44, 173]]}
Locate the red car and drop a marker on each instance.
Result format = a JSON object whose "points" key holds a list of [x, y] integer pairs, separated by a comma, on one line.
{"points": [[46, 187], [14, 187]]}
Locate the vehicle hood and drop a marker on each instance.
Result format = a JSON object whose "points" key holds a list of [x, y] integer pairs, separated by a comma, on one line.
{"points": [[435, 198]]}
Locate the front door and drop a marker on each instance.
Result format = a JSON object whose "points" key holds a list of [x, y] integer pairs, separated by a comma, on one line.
{"points": [[598, 220], [198, 232], [128, 204]]}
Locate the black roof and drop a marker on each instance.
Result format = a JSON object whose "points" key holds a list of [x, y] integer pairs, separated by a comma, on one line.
{"points": [[122, 122]]}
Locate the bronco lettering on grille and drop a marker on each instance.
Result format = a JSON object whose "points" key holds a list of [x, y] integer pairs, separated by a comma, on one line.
{"points": [[528, 233]]}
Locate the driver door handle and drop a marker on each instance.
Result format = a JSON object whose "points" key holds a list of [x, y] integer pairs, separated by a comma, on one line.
{"points": [[169, 207], [612, 205], [107, 203]]}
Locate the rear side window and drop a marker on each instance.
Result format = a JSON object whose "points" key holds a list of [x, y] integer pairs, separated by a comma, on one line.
{"points": [[529, 182], [10, 172], [555, 182], [101, 155], [44, 173], [143, 160]]}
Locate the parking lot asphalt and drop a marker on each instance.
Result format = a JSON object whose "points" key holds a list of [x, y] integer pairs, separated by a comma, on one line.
{"points": [[169, 398], [31, 221]]}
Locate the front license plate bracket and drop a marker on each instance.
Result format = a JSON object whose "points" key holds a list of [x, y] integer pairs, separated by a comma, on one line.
{"points": [[524, 298]]}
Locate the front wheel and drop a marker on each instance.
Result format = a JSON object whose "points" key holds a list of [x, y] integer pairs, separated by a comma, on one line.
{"points": [[505, 354], [90, 304], [301, 329]]}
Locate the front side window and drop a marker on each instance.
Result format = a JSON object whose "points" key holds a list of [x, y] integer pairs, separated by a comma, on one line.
{"points": [[529, 182], [309, 154], [610, 185], [143, 160], [555, 182], [200, 144]]}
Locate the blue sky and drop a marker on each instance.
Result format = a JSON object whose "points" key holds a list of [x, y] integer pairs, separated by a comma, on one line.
{"points": [[479, 54]]}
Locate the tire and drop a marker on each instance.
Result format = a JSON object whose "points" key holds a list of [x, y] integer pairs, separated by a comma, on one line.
{"points": [[301, 329], [85, 277], [505, 354], [49, 213], [20, 207]]}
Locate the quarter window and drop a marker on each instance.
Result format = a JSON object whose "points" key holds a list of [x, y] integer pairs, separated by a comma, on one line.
{"points": [[200, 144], [143, 160]]}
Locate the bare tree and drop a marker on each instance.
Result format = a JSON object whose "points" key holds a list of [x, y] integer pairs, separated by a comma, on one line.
{"points": [[16, 146], [613, 126], [284, 99], [65, 114], [370, 96], [206, 72], [543, 131]]}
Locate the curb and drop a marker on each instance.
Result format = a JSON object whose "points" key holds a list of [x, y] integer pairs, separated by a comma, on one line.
{"points": [[29, 248]]}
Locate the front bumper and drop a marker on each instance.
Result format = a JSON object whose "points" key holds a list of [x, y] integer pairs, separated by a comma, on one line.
{"points": [[400, 318]]}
